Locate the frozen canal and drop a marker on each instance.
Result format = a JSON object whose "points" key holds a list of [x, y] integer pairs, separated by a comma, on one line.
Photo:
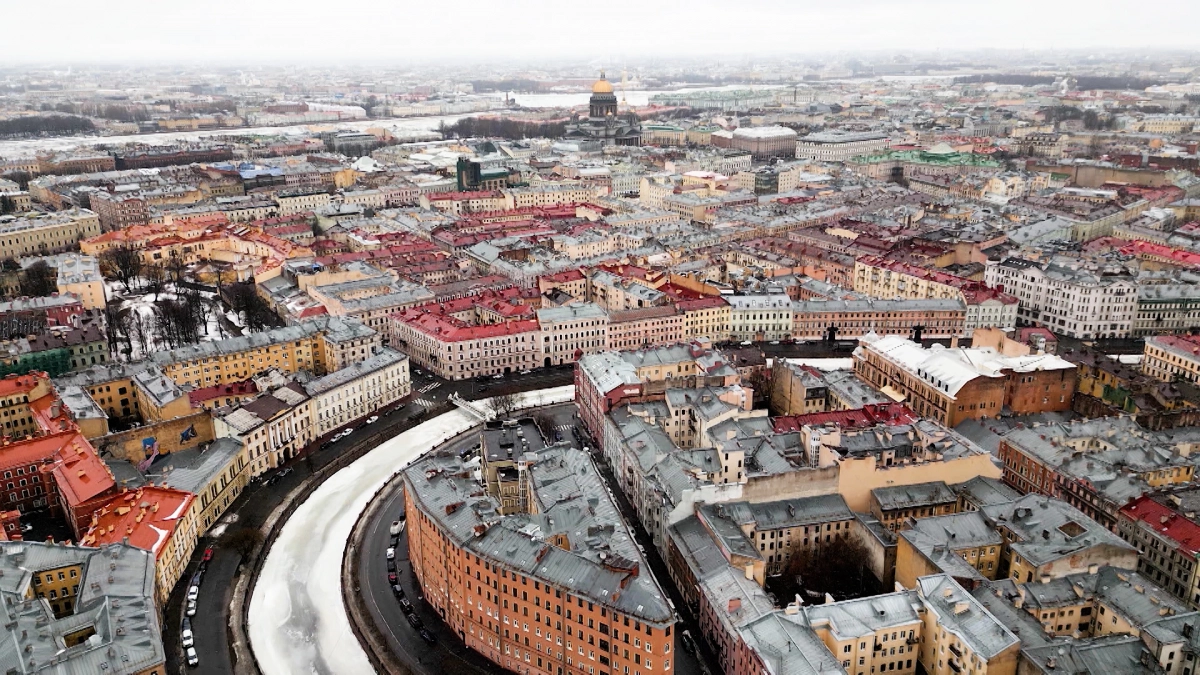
{"points": [[298, 623]]}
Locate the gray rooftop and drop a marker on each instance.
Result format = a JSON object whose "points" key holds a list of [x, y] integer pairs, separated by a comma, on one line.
{"points": [[910, 496], [384, 358], [960, 614], [335, 329], [116, 599], [573, 502], [1049, 529]]}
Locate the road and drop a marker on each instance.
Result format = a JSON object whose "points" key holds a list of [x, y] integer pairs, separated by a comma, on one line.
{"points": [[450, 656], [255, 504]]}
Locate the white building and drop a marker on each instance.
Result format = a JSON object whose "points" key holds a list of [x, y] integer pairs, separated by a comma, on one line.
{"points": [[840, 146], [570, 330], [358, 390], [1078, 303], [760, 316]]}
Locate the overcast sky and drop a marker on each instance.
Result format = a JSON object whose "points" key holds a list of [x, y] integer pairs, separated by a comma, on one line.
{"points": [[404, 30]]}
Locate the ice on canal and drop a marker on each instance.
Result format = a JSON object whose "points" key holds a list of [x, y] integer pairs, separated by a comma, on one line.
{"points": [[298, 623]]}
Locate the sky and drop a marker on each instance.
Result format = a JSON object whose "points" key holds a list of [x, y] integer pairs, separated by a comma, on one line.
{"points": [[399, 31]]}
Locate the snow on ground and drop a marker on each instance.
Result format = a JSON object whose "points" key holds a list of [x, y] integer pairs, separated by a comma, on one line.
{"points": [[298, 623], [825, 365]]}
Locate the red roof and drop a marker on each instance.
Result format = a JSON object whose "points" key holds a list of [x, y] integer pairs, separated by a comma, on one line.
{"points": [[1166, 522], [79, 472], [198, 396], [147, 516], [866, 416]]}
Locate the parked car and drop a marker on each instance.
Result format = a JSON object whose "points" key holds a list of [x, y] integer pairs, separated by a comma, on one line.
{"points": [[193, 593], [285, 471], [392, 578], [396, 528], [415, 621], [391, 554], [689, 645], [191, 608], [497, 376], [391, 565], [395, 541], [188, 640], [774, 342], [193, 659], [372, 419], [397, 591], [526, 372], [208, 554], [405, 605], [428, 637], [747, 343]]}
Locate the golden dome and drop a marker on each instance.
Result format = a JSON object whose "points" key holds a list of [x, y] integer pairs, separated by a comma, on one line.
{"points": [[602, 86]]}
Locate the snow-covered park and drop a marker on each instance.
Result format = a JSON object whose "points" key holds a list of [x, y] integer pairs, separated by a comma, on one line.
{"points": [[298, 623]]}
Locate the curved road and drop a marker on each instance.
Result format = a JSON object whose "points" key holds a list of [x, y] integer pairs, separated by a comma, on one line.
{"points": [[298, 623]]}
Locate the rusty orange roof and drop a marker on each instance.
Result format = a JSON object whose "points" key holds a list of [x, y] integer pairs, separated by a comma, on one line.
{"points": [[147, 516]]}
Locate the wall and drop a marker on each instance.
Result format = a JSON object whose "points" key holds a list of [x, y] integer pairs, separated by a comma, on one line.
{"points": [[859, 476], [136, 445], [800, 483]]}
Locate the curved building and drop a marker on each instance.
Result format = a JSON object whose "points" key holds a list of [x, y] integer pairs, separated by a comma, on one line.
{"points": [[527, 559], [604, 123]]}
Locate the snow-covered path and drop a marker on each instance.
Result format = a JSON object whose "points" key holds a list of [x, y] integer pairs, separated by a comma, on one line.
{"points": [[298, 623]]}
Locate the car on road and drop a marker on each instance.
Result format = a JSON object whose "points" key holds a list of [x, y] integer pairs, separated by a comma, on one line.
{"points": [[193, 593], [372, 419], [418, 371], [391, 565], [208, 554], [193, 659], [391, 554], [746, 343], [689, 645], [187, 638], [395, 541], [392, 578], [557, 435], [526, 372], [396, 528], [497, 376], [285, 471], [191, 608], [415, 621], [397, 590], [428, 637], [774, 342], [405, 605]]}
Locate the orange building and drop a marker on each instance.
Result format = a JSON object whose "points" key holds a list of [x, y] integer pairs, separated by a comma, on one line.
{"points": [[556, 588], [156, 519]]}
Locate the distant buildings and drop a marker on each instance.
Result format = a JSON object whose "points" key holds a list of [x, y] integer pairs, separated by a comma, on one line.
{"points": [[839, 146]]}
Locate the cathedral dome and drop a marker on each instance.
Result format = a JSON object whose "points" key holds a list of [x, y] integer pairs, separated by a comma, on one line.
{"points": [[602, 86]]}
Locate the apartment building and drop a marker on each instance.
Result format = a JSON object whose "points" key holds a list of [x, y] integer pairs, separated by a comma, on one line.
{"points": [[319, 345], [897, 507], [706, 318], [545, 603], [35, 233], [760, 316], [1167, 357], [568, 332], [1073, 461], [854, 319], [1166, 538], [97, 602], [1076, 302], [986, 308], [160, 520], [358, 390], [765, 142], [80, 276], [779, 530], [645, 327], [951, 385], [274, 427], [840, 146], [961, 635]]}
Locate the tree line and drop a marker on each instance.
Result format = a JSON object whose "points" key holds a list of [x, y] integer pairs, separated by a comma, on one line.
{"points": [[45, 125]]}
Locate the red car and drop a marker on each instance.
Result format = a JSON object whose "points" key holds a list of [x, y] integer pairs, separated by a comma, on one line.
{"points": [[208, 554], [392, 577]]}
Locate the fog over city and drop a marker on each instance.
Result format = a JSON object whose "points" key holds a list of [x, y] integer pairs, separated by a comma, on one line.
{"points": [[365, 30]]}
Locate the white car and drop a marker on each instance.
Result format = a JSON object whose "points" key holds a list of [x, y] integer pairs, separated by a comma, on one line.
{"points": [[193, 659], [391, 554], [193, 593], [191, 608], [188, 640], [747, 343], [372, 419], [396, 528]]}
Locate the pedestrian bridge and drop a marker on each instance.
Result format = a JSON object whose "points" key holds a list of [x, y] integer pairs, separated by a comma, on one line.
{"points": [[482, 412]]}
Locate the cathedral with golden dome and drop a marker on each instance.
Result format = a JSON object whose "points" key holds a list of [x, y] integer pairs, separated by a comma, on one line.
{"points": [[604, 123]]}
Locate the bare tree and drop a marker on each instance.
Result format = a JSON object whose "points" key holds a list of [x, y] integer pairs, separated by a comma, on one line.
{"points": [[38, 280], [123, 263], [503, 405], [156, 279], [138, 327], [545, 424], [244, 541]]}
